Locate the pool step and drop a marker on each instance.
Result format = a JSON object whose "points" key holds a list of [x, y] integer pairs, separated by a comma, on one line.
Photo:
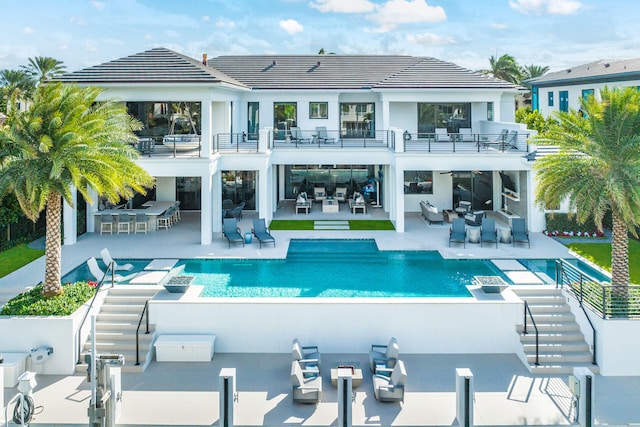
{"points": [[331, 225], [562, 346], [116, 326]]}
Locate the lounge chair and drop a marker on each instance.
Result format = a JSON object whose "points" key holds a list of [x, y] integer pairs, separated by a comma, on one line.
{"points": [[306, 384], [107, 259], [261, 232], [231, 231], [511, 141], [296, 136], [442, 135], [488, 231], [98, 274], [322, 136], [340, 194], [498, 140], [519, 231], [386, 355], [465, 135], [458, 232], [308, 356], [390, 388]]}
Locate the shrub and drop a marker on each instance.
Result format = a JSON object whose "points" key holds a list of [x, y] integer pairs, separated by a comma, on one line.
{"points": [[32, 303], [562, 224]]}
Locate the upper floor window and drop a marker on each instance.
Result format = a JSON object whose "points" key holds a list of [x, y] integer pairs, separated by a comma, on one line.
{"points": [[586, 93], [318, 110], [285, 116], [550, 97], [490, 111], [357, 120]]}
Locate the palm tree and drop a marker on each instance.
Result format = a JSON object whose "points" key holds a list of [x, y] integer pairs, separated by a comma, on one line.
{"points": [[532, 71], [16, 85], [67, 140], [43, 68], [505, 68], [597, 168]]}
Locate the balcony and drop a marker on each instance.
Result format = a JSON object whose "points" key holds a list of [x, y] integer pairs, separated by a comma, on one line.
{"points": [[511, 142]]}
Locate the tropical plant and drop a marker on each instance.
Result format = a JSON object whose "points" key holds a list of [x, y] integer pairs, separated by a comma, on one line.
{"points": [[42, 68], [505, 68], [597, 168], [16, 85], [533, 119], [532, 71], [68, 140]]}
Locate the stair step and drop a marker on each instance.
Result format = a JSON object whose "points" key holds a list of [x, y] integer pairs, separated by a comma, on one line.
{"points": [[566, 336], [550, 358], [148, 290], [118, 317], [549, 308], [118, 326], [564, 368], [556, 347], [117, 347], [546, 318], [126, 299], [81, 368], [117, 336], [123, 308]]}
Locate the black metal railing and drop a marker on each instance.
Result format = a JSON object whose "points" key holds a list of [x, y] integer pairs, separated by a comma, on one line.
{"points": [[110, 269], [465, 142], [235, 143], [331, 139], [606, 300], [527, 310], [145, 310]]}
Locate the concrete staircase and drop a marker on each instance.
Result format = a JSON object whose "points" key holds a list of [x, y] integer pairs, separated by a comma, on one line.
{"points": [[562, 345], [116, 326]]}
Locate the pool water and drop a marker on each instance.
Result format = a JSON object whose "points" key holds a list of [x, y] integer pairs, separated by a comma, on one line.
{"points": [[548, 267], [339, 268]]}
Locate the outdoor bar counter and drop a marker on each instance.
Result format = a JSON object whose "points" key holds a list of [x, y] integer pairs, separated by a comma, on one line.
{"points": [[152, 209]]}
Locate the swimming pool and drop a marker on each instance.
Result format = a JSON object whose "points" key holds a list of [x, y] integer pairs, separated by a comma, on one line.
{"points": [[335, 268]]}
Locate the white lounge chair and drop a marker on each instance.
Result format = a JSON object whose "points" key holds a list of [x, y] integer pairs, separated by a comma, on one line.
{"points": [[386, 355], [98, 274], [306, 385], [107, 259], [390, 388], [442, 135]]}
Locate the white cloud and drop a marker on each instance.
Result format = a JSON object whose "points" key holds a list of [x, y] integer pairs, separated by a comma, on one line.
{"points": [[291, 26], [90, 46], [172, 33], [397, 12], [499, 26], [206, 18], [27, 30], [148, 36], [225, 24], [78, 21], [343, 6], [551, 7], [98, 5], [430, 39]]}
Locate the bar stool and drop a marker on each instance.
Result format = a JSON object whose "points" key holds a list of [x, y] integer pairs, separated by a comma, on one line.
{"points": [[106, 223], [124, 225], [141, 223], [164, 221]]}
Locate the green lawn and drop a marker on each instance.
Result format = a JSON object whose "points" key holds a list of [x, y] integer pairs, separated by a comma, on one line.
{"points": [[307, 224], [600, 254], [14, 258]]}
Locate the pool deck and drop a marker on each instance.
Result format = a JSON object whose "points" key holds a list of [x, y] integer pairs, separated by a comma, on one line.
{"points": [[168, 394]]}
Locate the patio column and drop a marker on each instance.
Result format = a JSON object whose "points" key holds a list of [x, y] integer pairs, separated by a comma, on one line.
{"points": [[228, 397], [206, 212], [263, 139], [264, 191], [91, 210], [206, 128], [464, 397], [398, 193], [70, 219], [398, 135], [216, 202]]}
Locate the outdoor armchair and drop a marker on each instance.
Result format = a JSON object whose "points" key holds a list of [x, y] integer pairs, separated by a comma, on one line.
{"points": [[390, 388], [386, 355], [306, 384], [308, 356]]}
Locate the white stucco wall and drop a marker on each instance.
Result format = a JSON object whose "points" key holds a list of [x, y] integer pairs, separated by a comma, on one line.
{"points": [[421, 325]]}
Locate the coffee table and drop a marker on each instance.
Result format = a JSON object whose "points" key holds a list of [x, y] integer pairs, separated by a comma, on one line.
{"points": [[356, 377], [330, 206]]}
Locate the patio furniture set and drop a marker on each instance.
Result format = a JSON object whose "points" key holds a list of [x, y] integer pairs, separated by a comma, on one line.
{"points": [[151, 216], [389, 373], [330, 204], [487, 232]]}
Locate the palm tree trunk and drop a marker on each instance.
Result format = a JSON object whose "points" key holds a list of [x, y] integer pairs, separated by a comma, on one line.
{"points": [[619, 264], [52, 286]]}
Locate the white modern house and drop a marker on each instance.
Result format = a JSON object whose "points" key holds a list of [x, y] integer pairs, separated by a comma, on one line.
{"points": [[260, 130], [562, 90]]}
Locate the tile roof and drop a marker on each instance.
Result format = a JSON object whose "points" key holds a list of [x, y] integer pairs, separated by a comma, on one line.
{"points": [[352, 72], [283, 72], [157, 65], [599, 70]]}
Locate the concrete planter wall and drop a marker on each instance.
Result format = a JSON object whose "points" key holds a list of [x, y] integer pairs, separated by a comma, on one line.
{"points": [[19, 334]]}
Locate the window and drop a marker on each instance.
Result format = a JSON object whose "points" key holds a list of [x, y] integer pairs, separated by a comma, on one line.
{"points": [[586, 93], [449, 116], [564, 100], [253, 120], [357, 120], [285, 116], [490, 111], [534, 99], [318, 110], [550, 97], [418, 182], [159, 118]]}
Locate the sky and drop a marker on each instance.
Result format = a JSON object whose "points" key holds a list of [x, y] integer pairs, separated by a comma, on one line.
{"points": [[555, 33]]}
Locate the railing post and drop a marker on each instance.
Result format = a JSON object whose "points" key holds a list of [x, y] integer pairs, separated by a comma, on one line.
{"points": [[604, 303], [525, 317]]}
